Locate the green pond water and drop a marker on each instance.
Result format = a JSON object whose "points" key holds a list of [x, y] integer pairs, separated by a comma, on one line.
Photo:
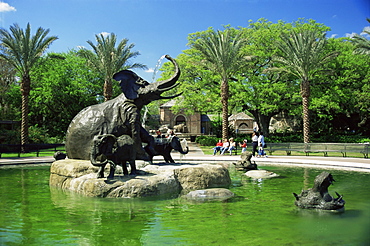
{"points": [[262, 213]]}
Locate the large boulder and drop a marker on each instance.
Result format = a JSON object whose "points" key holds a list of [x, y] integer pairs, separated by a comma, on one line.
{"points": [[213, 194], [154, 180], [261, 174]]}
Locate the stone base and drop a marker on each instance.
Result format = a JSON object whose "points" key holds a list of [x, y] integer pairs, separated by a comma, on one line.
{"points": [[154, 180]]}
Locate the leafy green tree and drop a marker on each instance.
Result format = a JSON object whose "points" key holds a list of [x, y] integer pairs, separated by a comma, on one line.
{"points": [[23, 51], [108, 58], [341, 101], [303, 56], [362, 43], [7, 79], [263, 94], [222, 53], [199, 85], [63, 86]]}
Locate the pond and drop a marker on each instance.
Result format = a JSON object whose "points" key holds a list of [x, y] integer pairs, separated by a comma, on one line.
{"points": [[262, 213]]}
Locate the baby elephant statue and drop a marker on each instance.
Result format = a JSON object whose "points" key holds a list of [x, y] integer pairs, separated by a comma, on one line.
{"points": [[113, 150], [164, 146]]}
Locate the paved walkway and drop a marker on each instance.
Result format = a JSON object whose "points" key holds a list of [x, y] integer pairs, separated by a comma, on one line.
{"points": [[196, 155]]}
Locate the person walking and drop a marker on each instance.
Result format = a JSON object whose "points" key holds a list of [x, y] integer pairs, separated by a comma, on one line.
{"points": [[254, 143], [261, 145]]}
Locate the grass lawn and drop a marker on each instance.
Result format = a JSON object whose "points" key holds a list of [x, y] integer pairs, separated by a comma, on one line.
{"points": [[208, 150], [44, 152]]}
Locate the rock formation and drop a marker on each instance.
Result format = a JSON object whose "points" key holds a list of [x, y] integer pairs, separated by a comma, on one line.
{"points": [[154, 180]]}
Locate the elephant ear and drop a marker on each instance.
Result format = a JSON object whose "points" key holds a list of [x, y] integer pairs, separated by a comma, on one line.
{"points": [[128, 83]]}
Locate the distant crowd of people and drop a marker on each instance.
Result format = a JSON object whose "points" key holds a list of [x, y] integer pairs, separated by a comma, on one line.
{"points": [[258, 145]]}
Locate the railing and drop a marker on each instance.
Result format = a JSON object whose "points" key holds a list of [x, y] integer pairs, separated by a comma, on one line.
{"points": [[29, 148], [324, 148]]}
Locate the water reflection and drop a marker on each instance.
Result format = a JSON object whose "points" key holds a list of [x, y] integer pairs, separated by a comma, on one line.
{"points": [[262, 212]]}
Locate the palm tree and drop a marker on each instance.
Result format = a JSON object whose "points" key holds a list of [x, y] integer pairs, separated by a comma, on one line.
{"points": [[222, 52], [23, 51], [302, 54], [362, 43], [109, 59]]}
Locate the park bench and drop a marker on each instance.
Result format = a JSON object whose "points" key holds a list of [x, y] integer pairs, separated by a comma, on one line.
{"points": [[324, 148], [234, 151], [28, 148]]}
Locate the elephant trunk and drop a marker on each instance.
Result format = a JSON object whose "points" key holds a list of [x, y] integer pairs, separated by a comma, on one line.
{"points": [[95, 152], [184, 152], [153, 91], [94, 161]]}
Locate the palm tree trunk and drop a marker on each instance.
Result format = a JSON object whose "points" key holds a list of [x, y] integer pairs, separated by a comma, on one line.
{"points": [[25, 90], [108, 89], [305, 93], [225, 107]]}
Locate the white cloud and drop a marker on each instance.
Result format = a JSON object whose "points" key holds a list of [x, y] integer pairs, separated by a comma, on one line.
{"points": [[350, 35], [333, 35], [4, 7], [367, 29], [150, 70], [105, 34]]}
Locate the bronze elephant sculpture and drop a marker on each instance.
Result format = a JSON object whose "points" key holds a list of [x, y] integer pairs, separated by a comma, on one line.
{"points": [[164, 146], [114, 151], [119, 116]]}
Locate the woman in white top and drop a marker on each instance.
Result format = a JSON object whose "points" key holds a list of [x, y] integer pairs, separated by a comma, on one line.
{"points": [[225, 146], [254, 143], [232, 145]]}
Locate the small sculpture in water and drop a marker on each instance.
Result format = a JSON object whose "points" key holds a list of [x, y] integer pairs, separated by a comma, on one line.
{"points": [[318, 196], [245, 164]]}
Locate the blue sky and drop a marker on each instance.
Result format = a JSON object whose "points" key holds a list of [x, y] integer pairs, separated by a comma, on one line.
{"points": [[159, 27]]}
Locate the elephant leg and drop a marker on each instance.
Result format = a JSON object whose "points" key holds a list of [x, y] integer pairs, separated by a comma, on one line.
{"points": [[100, 173], [133, 167], [147, 138], [112, 170], [124, 168], [168, 158]]}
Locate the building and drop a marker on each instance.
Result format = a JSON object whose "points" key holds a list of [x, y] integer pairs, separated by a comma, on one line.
{"points": [[242, 123], [199, 124]]}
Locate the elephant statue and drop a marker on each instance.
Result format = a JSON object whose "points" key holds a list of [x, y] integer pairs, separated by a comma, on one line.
{"points": [[115, 151], [119, 116], [164, 146], [180, 128], [318, 196]]}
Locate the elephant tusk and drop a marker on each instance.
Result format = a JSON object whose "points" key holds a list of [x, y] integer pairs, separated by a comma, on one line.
{"points": [[160, 89], [170, 97]]}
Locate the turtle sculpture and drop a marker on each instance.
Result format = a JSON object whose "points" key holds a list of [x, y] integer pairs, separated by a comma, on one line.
{"points": [[318, 196]]}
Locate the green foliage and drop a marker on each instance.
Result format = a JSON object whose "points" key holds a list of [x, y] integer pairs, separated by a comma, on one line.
{"points": [[207, 140], [107, 58], [63, 86], [362, 43], [9, 136]]}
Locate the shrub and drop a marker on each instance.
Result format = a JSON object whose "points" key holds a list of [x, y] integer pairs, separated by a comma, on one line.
{"points": [[206, 140]]}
